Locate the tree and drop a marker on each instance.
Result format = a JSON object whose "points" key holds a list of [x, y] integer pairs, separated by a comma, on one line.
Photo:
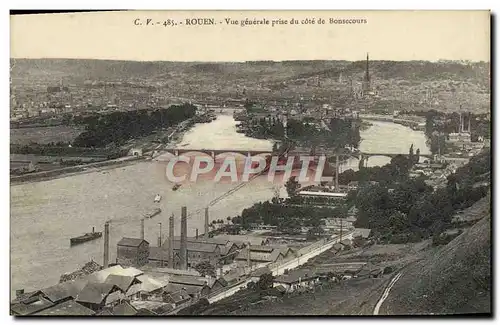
{"points": [[410, 157], [251, 285], [195, 309], [266, 281], [205, 268], [276, 197], [361, 164], [417, 156], [292, 185], [401, 165]]}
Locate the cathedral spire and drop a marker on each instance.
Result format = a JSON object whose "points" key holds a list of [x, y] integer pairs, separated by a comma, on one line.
{"points": [[366, 81], [367, 72]]}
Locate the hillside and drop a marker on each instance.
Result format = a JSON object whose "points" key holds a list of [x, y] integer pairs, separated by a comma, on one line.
{"points": [[455, 279], [95, 69]]}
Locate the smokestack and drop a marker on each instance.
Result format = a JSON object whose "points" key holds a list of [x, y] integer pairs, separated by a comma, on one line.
{"points": [[206, 224], [171, 242], [196, 233], [183, 248], [468, 129], [461, 124], [106, 245], [142, 228], [248, 255]]}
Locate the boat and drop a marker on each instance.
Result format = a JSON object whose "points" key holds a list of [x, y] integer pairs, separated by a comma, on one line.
{"points": [[85, 238], [176, 187], [153, 213], [157, 198]]}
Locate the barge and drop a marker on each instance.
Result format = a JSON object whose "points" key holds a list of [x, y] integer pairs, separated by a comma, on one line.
{"points": [[85, 238], [152, 213]]}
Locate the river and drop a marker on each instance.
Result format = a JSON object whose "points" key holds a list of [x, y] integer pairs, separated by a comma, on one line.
{"points": [[45, 215]]}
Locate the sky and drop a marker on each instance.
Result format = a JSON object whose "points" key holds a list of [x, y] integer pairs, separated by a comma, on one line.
{"points": [[386, 35]]}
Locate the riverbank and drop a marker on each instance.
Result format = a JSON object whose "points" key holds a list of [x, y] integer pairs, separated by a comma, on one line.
{"points": [[73, 170], [44, 215]]}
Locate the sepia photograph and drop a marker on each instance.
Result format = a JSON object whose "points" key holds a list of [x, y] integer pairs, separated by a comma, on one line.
{"points": [[250, 163]]}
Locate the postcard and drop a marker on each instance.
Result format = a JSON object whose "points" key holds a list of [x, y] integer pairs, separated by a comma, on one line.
{"points": [[282, 163]]}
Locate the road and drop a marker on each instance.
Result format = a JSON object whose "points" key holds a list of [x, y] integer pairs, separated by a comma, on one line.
{"points": [[386, 293]]}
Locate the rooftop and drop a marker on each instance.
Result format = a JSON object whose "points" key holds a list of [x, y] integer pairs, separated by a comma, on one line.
{"points": [[338, 195], [67, 308], [243, 239], [95, 293], [166, 270], [124, 309], [193, 246], [296, 276], [147, 307], [149, 284], [132, 242], [183, 279], [201, 239], [102, 275], [63, 290], [260, 271], [31, 307], [179, 296], [363, 232], [122, 282]]}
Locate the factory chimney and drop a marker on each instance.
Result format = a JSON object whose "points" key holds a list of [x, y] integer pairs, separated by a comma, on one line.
{"points": [[106, 245], [468, 129], [196, 233], [206, 224], [461, 128], [171, 242], [183, 249], [142, 228]]}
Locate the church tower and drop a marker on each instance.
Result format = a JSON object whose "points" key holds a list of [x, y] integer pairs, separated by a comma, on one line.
{"points": [[366, 80]]}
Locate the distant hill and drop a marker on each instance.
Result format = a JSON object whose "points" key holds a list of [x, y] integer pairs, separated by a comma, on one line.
{"points": [[399, 85], [92, 69]]}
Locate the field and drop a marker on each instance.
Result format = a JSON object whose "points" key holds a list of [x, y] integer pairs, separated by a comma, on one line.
{"points": [[331, 299], [454, 279], [44, 135]]}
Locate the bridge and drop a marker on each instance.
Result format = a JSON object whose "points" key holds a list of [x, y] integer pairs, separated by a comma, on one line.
{"points": [[298, 151]]}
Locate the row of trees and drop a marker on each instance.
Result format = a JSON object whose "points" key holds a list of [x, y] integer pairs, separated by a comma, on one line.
{"points": [[287, 219], [397, 170], [267, 129], [64, 150], [118, 127], [342, 131]]}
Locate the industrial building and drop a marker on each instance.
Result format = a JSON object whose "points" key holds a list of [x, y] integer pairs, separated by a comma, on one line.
{"points": [[132, 252], [196, 251], [262, 254]]}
